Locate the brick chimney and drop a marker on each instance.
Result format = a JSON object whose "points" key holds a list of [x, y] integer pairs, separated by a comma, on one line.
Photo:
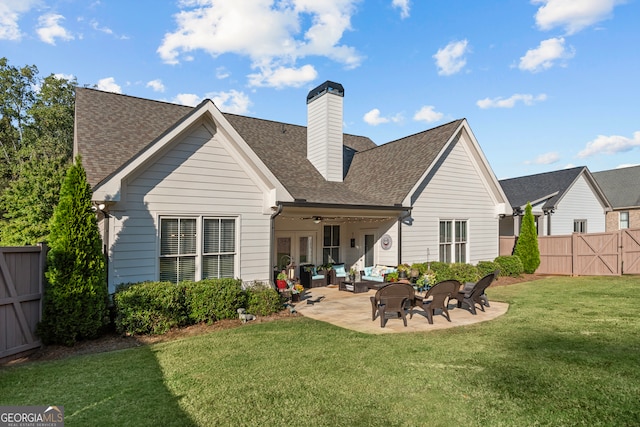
{"points": [[324, 129]]}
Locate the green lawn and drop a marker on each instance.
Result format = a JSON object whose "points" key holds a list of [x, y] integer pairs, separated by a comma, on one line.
{"points": [[566, 353]]}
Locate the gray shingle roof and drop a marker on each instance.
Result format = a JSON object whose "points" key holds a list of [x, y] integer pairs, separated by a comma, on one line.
{"points": [[621, 186], [113, 128], [532, 188]]}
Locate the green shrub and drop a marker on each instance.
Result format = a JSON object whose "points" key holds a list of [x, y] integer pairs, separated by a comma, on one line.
{"points": [[510, 265], [213, 299], [464, 272], [487, 267], [150, 308], [75, 298], [263, 300], [442, 270]]}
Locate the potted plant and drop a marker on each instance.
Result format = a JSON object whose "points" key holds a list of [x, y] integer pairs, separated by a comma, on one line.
{"points": [[281, 281], [391, 277], [403, 269], [296, 292], [352, 274]]}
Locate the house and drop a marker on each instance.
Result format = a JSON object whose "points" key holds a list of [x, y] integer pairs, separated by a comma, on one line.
{"points": [[622, 187], [190, 193], [563, 202]]}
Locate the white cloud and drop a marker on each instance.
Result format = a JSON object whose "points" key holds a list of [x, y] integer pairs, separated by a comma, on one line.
{"points": [[62, 76], [610, 145], [450, 59], [572, 15], [10, 11], [274, 35], [108, 84], [96, 26], [156, 85], [546, 159], [222, 73], [189, 99], [374, 118], [543, 57], [403, 5], [49, 29], [283, 77], [526, 99], [427, 114], [231, 102]]}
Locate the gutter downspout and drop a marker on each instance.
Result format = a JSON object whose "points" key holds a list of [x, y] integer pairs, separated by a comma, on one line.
{"points": [[272, 234], [401, 218]]}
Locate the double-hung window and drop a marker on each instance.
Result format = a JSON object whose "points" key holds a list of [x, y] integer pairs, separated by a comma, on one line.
{"points": [[624, 220], [453, 243], [579, 225], [331, 244], [197, 248]]}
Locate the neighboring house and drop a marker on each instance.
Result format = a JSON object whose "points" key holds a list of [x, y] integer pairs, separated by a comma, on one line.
{"points": [[190, 193], [564, 202], [622, 187]]}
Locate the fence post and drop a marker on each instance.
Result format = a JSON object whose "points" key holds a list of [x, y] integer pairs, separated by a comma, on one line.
{"points": [[574, 254]]}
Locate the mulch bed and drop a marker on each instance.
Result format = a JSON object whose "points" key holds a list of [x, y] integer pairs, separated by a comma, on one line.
{"points": [[113, 341]]}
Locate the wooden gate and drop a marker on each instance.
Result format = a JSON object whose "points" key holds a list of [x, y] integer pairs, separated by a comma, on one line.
{"points": [[21, 288], [630, 242], [592, 254], [596, 254]]}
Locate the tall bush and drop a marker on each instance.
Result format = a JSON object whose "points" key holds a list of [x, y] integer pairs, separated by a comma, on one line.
{"points": [[527, 245], [75, 299]]}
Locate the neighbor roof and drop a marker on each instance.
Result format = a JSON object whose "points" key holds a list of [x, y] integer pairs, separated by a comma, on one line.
{"points": [[549, 186], [112, 128], [621, 186]]}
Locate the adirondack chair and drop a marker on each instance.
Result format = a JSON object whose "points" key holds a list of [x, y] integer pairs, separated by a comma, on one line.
{"points": [[392, 301], [437, 298], [474, 293]]}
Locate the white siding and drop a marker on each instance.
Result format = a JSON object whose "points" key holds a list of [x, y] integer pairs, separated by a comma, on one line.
{"points": [[324, 135], [455, 191], [579, 202], [196, 176]]}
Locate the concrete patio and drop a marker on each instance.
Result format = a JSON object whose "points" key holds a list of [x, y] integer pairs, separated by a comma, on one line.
{"points": [[353, 311]]}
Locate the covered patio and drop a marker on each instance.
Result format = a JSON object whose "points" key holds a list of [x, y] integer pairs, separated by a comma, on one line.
{"points": [[353, 311]]}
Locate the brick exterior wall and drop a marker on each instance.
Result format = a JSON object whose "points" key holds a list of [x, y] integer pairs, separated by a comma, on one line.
{"points": [[613, 219]]}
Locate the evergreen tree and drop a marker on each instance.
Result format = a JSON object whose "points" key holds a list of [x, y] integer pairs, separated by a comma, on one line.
{"points": [[527, 245], [75, 301]]}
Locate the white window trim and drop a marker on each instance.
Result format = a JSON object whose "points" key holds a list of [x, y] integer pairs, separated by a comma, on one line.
{"points": [[453, 242], [620, 227], [199, 241]]}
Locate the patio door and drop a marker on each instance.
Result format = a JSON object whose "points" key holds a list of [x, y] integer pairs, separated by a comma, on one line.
{"points": [[296, 247], [369, 248]]}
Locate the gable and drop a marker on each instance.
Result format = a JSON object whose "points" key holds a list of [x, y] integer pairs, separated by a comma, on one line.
{"points": [[208, 116], [466, 167]]}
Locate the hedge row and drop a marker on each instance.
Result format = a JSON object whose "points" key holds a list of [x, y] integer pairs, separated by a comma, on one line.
{"points": [[156, 307], [507, 265]]}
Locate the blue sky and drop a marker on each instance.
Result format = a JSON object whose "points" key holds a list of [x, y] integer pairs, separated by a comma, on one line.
{"points": [[544, 84]]}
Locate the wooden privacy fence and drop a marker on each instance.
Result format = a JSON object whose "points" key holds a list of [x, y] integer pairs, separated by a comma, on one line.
{"points": [[21, 288], [593, 254]]}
